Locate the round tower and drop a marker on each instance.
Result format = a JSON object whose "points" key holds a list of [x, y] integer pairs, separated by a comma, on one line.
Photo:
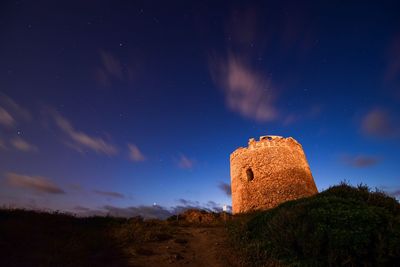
{"points": [[268, 172]]}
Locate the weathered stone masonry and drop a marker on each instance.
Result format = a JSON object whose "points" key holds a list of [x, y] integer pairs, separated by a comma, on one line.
{"points": [[268, 172]]}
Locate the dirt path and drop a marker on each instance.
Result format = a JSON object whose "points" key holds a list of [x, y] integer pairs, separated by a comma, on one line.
{"points": [[190, 246]]}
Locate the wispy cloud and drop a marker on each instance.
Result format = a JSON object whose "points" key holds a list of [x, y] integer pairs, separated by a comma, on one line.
{"points": [[226, 188], [111, 64], [187, 202], [147, 212], [243, 69], [82, 141], [81, 208], [111, 69], [5, 118], [15, 109], [360, 161], [150, 211], [135, 154], [23, 145], [185, 163], [378, 122], [109, 194], [393, 191], [247, 91], [214, 207], [35, 183]]}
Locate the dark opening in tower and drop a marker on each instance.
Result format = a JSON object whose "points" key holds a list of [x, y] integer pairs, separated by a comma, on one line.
{"points": [[250, 174]]}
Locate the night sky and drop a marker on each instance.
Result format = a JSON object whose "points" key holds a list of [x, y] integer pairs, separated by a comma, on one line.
{"points": [[134, 107]]}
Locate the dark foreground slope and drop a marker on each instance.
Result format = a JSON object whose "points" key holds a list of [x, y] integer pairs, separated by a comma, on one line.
{"points": [[30, 238], [342, 226]]}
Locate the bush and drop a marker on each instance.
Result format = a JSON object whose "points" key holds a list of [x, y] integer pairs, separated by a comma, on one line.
{"points": [[342, 226]]}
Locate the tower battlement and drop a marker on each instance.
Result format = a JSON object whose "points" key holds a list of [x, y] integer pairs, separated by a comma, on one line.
{"points": [[268, 141], [272, 140]]}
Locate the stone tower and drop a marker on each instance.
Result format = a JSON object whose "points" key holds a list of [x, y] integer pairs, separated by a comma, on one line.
{"points": [[268, 172]]}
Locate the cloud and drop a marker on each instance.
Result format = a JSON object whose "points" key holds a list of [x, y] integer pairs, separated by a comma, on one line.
{"points": [[109, 194], [23, 145], [360, 161], [185, 205], [395, 193], [253, 40], [82, 141], [247, 92], [35, 183], [111, 65], [135, 154], [14, 108], [191, 203], [214, 207], [81, 208], [378, 123], [226, 188], [148, 212], [5, 118], [111, 70], [185, 163]]}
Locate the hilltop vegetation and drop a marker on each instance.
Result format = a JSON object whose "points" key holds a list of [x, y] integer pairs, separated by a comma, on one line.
{"points": [[342, 226]]}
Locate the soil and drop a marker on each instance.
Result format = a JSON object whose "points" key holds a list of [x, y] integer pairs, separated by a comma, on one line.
{"points": [[190, 246]]}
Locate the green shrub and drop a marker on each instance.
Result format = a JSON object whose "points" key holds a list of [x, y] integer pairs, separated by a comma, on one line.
{"points": [[342, 226]]}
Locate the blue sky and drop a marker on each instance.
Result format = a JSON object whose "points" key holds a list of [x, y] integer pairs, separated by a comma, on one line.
{"points": [[127, 104]]}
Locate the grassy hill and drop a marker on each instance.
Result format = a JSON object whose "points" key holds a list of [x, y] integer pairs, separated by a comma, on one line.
{"points": [[342, 226]]}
